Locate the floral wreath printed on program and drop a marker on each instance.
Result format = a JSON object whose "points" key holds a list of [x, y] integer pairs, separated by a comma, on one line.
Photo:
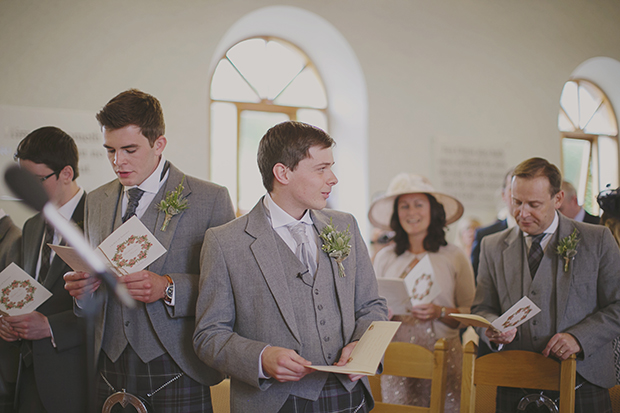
{"points": [[421, 295], [509, 321], [6, 292], [120, 261]]}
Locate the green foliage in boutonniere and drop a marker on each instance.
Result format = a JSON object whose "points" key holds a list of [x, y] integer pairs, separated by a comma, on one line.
{"points": [[173, 204], [336, 244], [567, 248]]}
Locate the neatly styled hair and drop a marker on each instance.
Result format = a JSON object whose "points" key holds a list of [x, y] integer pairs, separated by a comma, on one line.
{"points": [[288, 143], [436, 235], [535, 167], [52, 147], [134, 107]]}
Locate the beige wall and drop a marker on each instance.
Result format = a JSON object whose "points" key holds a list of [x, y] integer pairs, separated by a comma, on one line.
{"points": [[479, 72]]}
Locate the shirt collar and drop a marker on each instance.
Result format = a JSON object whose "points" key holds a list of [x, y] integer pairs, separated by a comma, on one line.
{"points": [[152, 183], [69, 207], [281, 218], [580, 215]]}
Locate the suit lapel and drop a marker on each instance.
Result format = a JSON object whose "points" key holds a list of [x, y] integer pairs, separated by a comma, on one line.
{"points": [[321, 220], [109, 208], [513, 265], [153, 218], [32, 249], [264, 249], [565, 228], [56, 267]]}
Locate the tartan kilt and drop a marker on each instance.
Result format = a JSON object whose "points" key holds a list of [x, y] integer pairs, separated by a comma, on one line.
{"points": [[183, 395], [589, 398], [334, 398]]}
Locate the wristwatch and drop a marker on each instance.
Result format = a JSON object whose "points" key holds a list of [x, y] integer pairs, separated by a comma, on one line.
{"points": [[443, 312], [169, 292]]}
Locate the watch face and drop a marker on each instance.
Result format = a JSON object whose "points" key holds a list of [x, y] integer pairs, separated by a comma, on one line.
{"points": [[170, 291]]}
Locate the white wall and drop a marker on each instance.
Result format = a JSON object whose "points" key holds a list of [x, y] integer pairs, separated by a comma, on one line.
{"points": [[478, 72]]}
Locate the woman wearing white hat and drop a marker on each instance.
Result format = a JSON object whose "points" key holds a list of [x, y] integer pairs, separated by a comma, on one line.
{"points": [[418, 214]]}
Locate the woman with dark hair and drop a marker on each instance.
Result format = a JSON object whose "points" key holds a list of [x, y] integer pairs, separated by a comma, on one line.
{"points": [[609, 201], [418, 215]]}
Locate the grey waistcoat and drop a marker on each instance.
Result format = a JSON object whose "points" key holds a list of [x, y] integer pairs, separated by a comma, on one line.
{"points": [[317, 315], [125, 326]]}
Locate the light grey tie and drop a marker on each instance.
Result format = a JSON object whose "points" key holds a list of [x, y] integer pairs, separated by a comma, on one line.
{"points": [[302, 252]]}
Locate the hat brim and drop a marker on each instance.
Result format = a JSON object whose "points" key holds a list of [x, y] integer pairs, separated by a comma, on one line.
{"points": [[381, 210]]}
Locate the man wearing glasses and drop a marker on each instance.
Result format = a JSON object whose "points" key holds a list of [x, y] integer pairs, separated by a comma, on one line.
{"points": [[52, 376]]}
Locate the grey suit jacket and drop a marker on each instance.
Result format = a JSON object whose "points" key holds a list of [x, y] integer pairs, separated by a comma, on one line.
{"points": [[244, 302], [209, 206], [587, 296]]}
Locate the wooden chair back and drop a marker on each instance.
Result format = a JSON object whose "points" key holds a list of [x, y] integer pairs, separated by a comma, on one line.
{"points": [[412, 360], [518, 369]]}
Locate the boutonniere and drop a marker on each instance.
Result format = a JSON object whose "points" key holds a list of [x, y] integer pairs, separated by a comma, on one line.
{"points": [[173, 204], [336, 244], [567, 248]]}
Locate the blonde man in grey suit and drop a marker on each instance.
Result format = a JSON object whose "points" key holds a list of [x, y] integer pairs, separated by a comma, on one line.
{"points": [[579, 298], [148, 350], [272, 303]]}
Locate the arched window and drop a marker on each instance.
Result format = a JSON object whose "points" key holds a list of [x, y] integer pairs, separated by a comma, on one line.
{"points": [[589, 133], [258, 83]]}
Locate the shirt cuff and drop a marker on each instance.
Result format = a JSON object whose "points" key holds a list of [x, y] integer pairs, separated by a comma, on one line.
{"points": [[261, 373], [52, 337]]}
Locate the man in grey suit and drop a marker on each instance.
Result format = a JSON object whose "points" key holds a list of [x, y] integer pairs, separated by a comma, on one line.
{"points": [[51, 372], [272, 302], [148, 350], [579, 296]]}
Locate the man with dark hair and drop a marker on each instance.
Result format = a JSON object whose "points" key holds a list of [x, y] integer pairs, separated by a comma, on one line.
{"points": [[148, 350], [52, 373], [577, 289], [272, 302], [570, 206]]}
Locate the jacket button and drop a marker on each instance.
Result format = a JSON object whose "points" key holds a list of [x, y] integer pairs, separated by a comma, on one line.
{"points": [[127, 323], [320, 307], [326, 339], [322, 322]]}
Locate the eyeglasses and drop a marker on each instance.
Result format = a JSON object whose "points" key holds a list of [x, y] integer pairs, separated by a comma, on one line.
{"points": [[44, 178]]}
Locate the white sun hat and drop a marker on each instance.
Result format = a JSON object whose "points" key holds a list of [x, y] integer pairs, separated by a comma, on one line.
{"points": [[404, 183]]}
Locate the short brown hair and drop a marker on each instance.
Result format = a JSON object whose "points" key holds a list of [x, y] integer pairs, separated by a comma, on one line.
{"points": [[134, 107], [288, 143], [52, 147], [535, 167]]}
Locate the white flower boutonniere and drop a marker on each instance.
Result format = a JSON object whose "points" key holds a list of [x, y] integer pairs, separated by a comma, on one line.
{"points": [[567, 248], [336, 244], [173, 204]]}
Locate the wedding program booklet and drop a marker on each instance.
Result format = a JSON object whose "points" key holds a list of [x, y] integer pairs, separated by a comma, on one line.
{"points": [[367, 354], [418, 287], [518, 314], [19, 292], [132, 247]]}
